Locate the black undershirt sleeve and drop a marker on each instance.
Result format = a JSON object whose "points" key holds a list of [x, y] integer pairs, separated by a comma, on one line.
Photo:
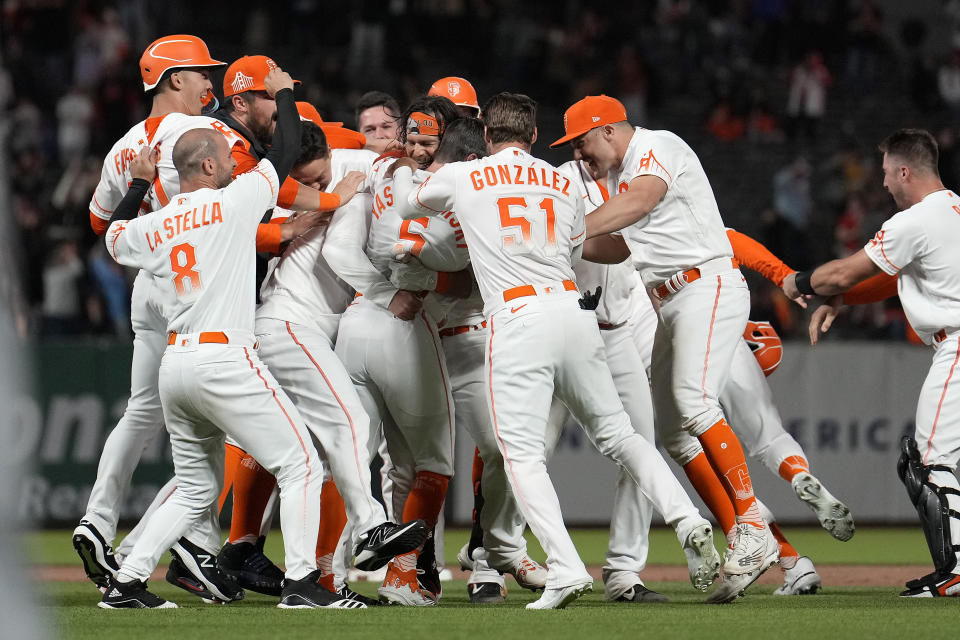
{"points": [[129, 206], [286, 138]]}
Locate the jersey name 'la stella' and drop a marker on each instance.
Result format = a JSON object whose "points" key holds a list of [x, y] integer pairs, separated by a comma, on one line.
{"points": [[181, 222]]}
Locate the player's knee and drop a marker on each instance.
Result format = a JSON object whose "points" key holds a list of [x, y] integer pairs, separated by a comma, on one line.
{"points": [[696, 424]]}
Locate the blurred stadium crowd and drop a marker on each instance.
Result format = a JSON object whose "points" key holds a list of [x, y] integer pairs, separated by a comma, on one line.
{"points": [[783, 100]]}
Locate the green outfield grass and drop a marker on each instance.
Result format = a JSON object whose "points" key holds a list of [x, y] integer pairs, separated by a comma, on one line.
{"points": [[70, 612]]}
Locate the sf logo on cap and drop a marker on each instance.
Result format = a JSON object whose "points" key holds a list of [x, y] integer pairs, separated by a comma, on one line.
{"points": [[241, 82], [454, 88]]}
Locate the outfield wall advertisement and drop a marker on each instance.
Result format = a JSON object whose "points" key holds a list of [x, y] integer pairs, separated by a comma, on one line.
{"points": [[847, 404]]}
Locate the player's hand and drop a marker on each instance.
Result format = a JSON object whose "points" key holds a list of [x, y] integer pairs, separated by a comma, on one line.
{"points": [[405, 305], [790, 290], [402, 162], [347, 187], [144, 165], [300, 223], [822, 318], [276, 80]]}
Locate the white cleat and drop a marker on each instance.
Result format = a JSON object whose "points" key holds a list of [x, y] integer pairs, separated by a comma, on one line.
{"points": [[752, 549], [463, 557], [800, 580], [528, 573], [703, 561], [560, 597], [834, 516]]}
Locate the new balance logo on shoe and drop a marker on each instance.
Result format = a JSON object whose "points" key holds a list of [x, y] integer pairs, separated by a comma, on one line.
{"points": [[750, 560], [206, 560]]}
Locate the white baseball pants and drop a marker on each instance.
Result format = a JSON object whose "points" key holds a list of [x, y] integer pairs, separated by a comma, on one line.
{"points": [[209, 390], [302, 360], [550, 345]]}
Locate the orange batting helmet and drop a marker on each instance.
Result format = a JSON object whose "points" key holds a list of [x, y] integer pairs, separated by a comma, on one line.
{"points": [[173, 52], [459, 90], [765, 344]]}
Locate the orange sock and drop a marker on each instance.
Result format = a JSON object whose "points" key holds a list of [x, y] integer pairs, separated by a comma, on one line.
{"points": [[333, 518], [791, 466], [786, 549], [708, 486], [426, 498], [252, 486], [726, 457], [231, 460]]}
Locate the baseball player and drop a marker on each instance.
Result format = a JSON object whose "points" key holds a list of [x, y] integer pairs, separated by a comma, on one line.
{"points": [[378, 118], [375, 342], [199, 249], [497, 543], [671, 225], [175, 72], [522, 258], [916, 245]]}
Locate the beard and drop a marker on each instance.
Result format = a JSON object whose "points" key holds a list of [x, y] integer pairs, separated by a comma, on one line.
{"points": [[262, 131]]}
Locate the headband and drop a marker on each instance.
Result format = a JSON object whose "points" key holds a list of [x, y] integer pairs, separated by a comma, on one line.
{"points": [[423, 124]]}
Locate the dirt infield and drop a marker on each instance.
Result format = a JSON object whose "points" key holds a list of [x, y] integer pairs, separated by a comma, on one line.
{"points": [[831, 574]]}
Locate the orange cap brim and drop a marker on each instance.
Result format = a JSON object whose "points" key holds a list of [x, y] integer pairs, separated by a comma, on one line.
{"points": [[571, 136]]}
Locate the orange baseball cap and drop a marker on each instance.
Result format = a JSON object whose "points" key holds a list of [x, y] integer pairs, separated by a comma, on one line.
{"points": [[247, 74], [338, 136], [460, 92], [173, 52], [589, 113]]}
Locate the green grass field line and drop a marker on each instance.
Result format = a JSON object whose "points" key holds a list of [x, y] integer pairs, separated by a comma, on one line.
{"points": [[70, 611], [876, 545]]}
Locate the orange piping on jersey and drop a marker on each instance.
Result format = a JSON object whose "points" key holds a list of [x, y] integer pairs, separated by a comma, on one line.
{"points": [[884, 253], [645, 163], [269, 237], [873, 289], [290, 422], [151, 125], [343, 407], [267, 178], [418, 197], [98, 224], [706, 357], [943, 395], [753, 255], [604, 193], [160, 193], [102, 208], [577, 237]]}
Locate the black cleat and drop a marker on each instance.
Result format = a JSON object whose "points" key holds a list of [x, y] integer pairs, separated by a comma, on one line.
{"points": [[246, 564], [203, 569], [97, 556], [346, 592], [306, 593], [487, 593], [380, 544], [428, 575], [132, 595], [934, 585], [639, 593]]}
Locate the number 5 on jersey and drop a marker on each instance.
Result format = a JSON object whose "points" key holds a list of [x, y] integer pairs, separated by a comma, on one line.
{"points": [[522, 234], [183, 259]]}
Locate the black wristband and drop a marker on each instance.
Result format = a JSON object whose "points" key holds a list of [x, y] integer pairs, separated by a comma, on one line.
{"points": [[802, 281]]}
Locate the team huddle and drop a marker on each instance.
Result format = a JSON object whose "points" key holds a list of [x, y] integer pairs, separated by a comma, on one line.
{"points": [[310, 297]]}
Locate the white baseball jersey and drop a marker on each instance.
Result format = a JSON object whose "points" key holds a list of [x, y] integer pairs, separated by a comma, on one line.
{"points": [[523, 232], [617, 281], [685, 229], [162, 132], [196, 238], [301, 286], [919, 244]]}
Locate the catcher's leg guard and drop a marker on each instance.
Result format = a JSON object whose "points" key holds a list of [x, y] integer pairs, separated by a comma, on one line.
{"points": [[932, 503]]}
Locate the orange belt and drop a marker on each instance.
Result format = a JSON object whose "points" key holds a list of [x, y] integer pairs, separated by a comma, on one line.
{"points": [[530, 290], [680, 280], [940, 336], [606, 326], [455, 331], [218, 337]]}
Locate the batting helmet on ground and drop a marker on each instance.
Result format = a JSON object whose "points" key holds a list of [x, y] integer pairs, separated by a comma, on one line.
{"points": [[765, 344], [173, 52]]}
